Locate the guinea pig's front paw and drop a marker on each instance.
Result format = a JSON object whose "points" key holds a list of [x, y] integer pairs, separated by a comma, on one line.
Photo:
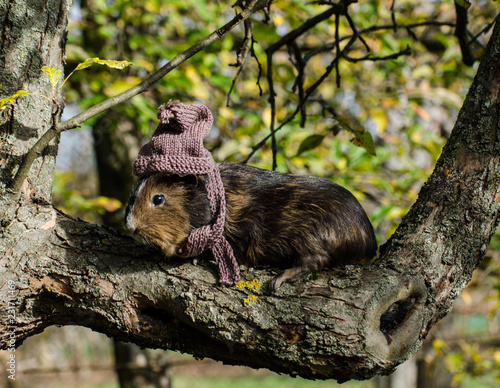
{"points": [[275, 283]]}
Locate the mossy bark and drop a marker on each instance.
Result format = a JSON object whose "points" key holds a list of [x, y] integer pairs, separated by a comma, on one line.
{"points": [[349, 323]]}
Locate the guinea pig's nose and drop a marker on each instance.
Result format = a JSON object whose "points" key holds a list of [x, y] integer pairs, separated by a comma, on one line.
{"points": [[135, 234], [132, 230]]}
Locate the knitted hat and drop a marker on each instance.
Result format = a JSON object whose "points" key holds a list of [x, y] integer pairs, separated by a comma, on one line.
{"points": [[177, 143], [177, 146]]}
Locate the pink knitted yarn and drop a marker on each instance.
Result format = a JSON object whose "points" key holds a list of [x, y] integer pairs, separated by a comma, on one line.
{"points": [[177, 146]]}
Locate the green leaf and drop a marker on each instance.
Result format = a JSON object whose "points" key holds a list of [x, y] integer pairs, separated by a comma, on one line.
{"points": [[365, 140], [362, 138], [9, 100], [463, 3], [310, 143], [86, 63], [107, 62], [54, 75]]}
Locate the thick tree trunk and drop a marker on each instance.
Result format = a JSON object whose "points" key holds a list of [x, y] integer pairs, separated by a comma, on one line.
{"points": [[354, 322], [446, 233], [32, 35]]}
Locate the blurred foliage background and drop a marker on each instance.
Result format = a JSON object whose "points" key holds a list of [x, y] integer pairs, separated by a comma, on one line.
{"points": [[376, 124]]}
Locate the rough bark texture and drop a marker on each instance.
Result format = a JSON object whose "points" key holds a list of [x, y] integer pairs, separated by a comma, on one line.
{"points": [[350, 323], [447, 231], [88, 275], [32, 36]]}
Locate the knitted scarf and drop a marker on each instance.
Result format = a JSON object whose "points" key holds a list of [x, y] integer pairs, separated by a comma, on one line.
{"points": [[177, 146]]}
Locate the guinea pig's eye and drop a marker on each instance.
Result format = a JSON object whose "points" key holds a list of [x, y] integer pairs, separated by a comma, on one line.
{"points": [[158, 199]]}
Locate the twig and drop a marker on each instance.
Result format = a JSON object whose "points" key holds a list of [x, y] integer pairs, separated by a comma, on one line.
{"points": [[406, 51], [337, 47], [308, 92], [308, 24], [393, 16], [299, 64], [474, 38], [411, 33], [289, 40], [259, 66], [285, 40], [355, 31], [77, 120], [272, 102], [331, 45], [242, 55], [461, 34]]}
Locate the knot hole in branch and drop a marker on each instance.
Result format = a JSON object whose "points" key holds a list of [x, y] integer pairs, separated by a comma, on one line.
{"points": [[396, 315]]}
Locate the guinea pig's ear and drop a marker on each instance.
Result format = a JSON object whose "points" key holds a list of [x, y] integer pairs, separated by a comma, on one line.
{"points": [[201, 181], [195, 180]]}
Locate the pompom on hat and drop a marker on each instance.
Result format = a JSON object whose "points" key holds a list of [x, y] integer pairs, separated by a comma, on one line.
{"points": [[177, 147]]}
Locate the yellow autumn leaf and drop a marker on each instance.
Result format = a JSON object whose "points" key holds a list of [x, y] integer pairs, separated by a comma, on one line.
{"points": [[422, 112], [106, 62], [114, 64], [266, 116], [438, 346], [496, 356], [9, 100], [106, 203], [278, 20], [378, 115], [198, 89], [146, 65], [396, 213], [120, 85], [466, 298], [54, 75]]}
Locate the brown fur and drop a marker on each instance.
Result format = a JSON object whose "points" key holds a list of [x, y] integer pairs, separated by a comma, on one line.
{"points": [[298, 223], [166, 226]]}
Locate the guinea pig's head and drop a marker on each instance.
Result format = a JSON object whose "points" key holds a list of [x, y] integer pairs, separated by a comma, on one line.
{"points": [[164, 208]]}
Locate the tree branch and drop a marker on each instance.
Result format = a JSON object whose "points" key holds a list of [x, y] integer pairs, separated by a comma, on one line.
{"points": [[308, 92], [241, 57], [306, 26], [460, 201], [289, 39], [406, 51], [474, 39], [316, 327], [330, 46], [299, 64], [462, 35]]}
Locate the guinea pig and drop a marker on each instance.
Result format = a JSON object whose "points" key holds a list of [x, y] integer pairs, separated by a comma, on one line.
{"points": [[295, 222]]}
